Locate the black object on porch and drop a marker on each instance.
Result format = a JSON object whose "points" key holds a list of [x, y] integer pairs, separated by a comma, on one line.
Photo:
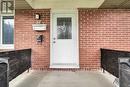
{"points": [[110, 60], [3, 75], [124, 75], [16, 62]]}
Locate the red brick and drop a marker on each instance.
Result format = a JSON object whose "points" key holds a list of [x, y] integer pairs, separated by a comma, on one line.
{"points": [[98, 28], [102, 28]]}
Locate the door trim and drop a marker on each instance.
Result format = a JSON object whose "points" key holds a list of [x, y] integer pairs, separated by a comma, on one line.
{"points": [[75, 11]]}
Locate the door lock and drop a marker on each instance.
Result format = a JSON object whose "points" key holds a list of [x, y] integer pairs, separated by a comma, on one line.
{"points": [[54, 38]]}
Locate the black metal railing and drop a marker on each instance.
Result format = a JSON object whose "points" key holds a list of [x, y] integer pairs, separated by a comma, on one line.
{"points": [[110, 60], [17, 62]]}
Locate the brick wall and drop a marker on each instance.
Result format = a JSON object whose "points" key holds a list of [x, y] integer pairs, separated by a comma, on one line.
{"points": [[98, 28], [25, 37], [101, 28]]}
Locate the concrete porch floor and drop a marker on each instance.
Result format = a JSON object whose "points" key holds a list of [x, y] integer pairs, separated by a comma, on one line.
{"points": [[61, 79]]}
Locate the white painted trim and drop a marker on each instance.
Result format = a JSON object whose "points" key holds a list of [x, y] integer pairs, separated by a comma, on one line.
{"points": [[4, 46], [63, 11], [7, 14], [64, 67], [77, 16], [8, 46], [1, 30], [75, 11], [51, 24]]}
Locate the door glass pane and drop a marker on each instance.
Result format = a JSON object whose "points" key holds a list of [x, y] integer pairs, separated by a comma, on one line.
{"points": [[7, 30], [64, 28]]}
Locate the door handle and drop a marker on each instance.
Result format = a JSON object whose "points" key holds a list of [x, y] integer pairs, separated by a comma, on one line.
{"points": [[54, 41]]}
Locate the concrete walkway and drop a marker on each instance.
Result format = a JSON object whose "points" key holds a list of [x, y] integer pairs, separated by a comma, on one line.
{"points": [[61, 79]]}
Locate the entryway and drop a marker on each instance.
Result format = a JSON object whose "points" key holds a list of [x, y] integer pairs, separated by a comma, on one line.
{"points": [[61, 79], [64, 40]]}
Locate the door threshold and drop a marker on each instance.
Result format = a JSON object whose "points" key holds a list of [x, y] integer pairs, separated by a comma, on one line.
{"points": [[64, 66]]}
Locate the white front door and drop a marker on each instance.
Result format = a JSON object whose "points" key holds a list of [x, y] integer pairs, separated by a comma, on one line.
{"points": [[64, 41]]}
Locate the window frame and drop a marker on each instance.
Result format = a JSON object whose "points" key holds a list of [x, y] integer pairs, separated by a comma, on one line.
{"points": [[4, 46]]}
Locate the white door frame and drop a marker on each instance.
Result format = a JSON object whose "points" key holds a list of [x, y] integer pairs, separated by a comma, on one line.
{"points": [[51, 35]]}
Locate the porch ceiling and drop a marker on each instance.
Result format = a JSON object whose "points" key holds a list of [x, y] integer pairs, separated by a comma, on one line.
{"points": [[64, 4], [22, 4], [116, 4], [71, 4]]}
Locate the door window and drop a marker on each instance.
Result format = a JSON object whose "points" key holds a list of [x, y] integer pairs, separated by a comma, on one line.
{"points": [[64, 28]]}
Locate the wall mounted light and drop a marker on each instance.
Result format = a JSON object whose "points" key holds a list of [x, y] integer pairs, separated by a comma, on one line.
{"points": [[37, 16]]}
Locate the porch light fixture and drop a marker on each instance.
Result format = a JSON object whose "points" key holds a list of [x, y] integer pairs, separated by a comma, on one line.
{"points": [[37, 16]]}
